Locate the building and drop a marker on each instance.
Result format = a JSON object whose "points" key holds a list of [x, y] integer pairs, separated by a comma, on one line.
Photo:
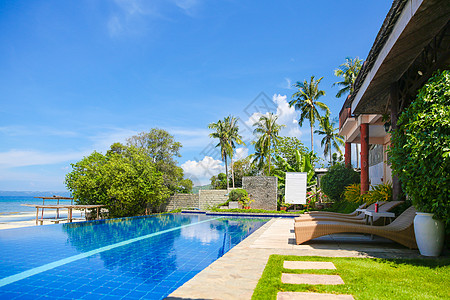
{"points": [[413, 42]]}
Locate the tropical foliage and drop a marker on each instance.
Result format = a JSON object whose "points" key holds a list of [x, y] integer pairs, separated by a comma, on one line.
{"points": [[331, 137], [306, 101], [227, 132], [243, 167], [338, 177], [219, 182], [266, 131], [160, 146], [379, 192], [287, 147], [237, 194], [348, 71], [126, 180], [420, 149], [352, 193]]}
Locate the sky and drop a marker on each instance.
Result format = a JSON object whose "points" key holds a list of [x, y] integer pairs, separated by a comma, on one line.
{"points": [[79, 75]]}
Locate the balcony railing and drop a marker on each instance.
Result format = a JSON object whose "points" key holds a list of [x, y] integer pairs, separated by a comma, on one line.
{"points": [[344, 115]]}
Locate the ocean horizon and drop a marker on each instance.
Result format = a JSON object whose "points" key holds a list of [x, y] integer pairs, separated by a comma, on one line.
{"points": [[12, 204]]}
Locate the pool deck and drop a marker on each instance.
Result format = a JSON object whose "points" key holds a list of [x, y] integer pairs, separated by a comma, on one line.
{"points": [[236, 274]]}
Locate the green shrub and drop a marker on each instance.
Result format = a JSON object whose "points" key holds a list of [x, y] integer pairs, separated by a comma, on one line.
{"points": [[420, 148], [237, 194], [352, 193], [379, 192], [336, 180]]}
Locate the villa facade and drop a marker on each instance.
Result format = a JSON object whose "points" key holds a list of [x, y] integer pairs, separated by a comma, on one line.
{"points": [[413, 42]]}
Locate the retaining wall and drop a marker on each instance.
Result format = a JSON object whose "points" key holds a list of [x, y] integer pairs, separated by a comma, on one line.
{"points": [[210, 198], [262, 189]]}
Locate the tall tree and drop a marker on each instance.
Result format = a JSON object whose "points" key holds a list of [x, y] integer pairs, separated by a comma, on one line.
{"points": [[348, 71], [221, 133], [160, 146], [267, 131], [233, 138], [331, 137], [306, 100]]}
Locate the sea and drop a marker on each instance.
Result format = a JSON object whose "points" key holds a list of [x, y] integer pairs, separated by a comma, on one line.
{"points": [[12, 204]]}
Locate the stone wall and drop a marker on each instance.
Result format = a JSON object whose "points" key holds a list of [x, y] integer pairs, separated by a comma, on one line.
{"points": [[210, 198], [203, 200], [181, 201], [262, 189]]}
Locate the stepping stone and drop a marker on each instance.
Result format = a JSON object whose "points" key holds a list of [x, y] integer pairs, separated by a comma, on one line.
{"points": [[311, 279], [305, 296], [302, 265]]}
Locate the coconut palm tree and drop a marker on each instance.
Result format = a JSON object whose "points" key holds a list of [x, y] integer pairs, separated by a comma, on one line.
{"points": [[233, 138], [267, 131], [348, 71], [258, 157], [221, 132], [306, 100], [331, 137]]}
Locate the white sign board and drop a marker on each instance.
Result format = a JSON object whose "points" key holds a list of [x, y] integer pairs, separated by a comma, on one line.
{"points": [[295, 188]]}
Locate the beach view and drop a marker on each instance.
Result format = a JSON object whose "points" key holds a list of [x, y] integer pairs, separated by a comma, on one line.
{"points": [[191, 149]]}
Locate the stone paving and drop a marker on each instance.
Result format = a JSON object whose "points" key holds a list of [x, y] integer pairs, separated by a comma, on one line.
{"points": [[309, 265], [236, 274], [311, 279]]}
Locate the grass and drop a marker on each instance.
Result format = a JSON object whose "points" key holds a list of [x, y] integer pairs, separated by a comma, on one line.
{"points": [[365, 278]]}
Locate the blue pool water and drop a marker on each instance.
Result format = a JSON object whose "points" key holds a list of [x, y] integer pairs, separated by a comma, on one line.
{"points": [[131, 258]]}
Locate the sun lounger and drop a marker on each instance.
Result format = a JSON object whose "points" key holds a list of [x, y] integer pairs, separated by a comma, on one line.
{"points": [[401, 230], [360, 219], [353, 214]]}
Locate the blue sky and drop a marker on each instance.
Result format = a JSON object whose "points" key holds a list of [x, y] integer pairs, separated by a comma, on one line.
{"points": [[77, 76]]}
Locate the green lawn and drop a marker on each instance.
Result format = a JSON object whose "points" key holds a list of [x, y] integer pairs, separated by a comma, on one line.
{"points": [[365, 278]]}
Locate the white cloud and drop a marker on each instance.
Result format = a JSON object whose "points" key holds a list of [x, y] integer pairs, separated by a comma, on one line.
{"points": [[286, 116], [188, 6], [287, 84], [241, 153], [201, 171], [201, 232], [133, 16], [192, 137]]}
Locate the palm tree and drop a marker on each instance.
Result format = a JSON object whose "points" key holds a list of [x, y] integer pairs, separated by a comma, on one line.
{"points": [[221, 133], [305, 100], [348, 71], [331, 138], [267, 131], [233, 138], [258, 157]]}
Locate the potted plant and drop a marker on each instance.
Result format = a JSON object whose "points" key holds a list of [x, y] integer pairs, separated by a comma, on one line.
{"points": [[420, 157], [245, 201], [284, 206]]}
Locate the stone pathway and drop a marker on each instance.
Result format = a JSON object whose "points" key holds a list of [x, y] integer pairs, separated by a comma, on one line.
{"points": [[310, 279], [309, 265]]}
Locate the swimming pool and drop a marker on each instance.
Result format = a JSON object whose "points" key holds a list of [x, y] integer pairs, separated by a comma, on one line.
{"points": [[132, 258]]}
